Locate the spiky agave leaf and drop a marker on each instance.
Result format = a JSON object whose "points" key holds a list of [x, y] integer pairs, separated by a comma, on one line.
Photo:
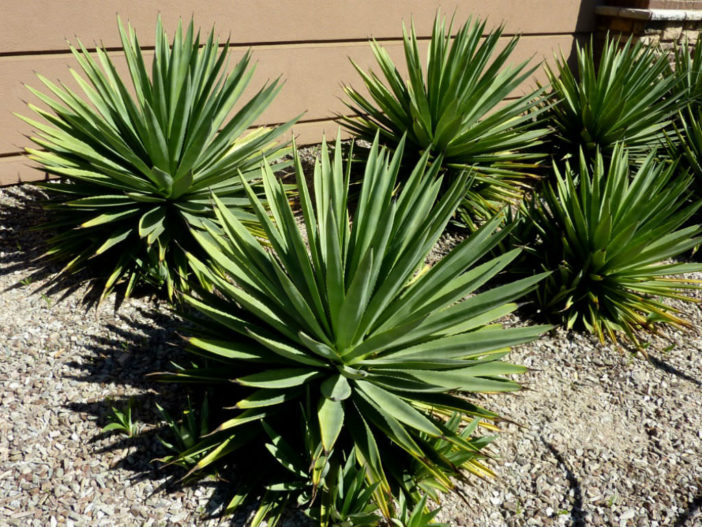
{"points": [[625, 98], [609, 240], [140, 166], [685, 145], [417, 517], [345, 336], [457, 108], [687, 72]]}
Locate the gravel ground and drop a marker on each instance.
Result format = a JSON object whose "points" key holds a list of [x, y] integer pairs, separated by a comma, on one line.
{"points": [[600, 437]]}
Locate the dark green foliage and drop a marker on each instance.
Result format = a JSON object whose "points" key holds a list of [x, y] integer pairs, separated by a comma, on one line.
{"points": [[456, 108], [687, 73], [626, 98], [417, 517], [184, 433], [350, 346], [138, 168], [685, 143], [348, 500], [609, 235]]}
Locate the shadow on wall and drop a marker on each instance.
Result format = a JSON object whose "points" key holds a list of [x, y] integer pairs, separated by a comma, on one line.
{"points": [[14, 167], [586, 18]]}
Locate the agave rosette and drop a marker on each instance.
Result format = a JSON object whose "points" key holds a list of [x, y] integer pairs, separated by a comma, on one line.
{"points": [[626, 98], [457, 108], [349, 339], [610, 240], [138, 168]]}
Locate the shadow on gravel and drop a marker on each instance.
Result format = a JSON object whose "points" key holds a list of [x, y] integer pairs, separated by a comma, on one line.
{"points": [[21, 213], [23, 246], [123, 355], [576, 512], [689, 514], [662, 365], [130, 349]]}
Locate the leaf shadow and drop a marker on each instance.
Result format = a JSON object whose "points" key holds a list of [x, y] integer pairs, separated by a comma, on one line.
{"points": [[24, 244], [123, 357], [23, 250], [690, 513], [21, 242], [576, 511], [672, 370]]}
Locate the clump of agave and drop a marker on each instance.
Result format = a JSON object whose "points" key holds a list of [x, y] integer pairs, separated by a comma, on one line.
{"points": [[338, 343], [609, 235], [627, 97], [456, 108], [138, 162]]}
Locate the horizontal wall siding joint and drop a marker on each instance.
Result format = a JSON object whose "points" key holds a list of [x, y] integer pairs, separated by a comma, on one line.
{"points": [[273, 20], [283, 45]]}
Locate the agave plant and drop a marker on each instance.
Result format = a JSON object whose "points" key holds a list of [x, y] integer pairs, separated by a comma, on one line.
{"points": [[457, 110], [138, 168], [348, 501], [610, 240], [625, 98], [185, 433], [687, 72], [685, 143], [417, 517], [349, 344]]}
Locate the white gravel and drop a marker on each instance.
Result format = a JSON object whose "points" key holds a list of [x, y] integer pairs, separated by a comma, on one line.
{"points": [[603, 438]]}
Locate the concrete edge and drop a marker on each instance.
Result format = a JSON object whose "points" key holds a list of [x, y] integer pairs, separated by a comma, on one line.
{"points": [[659, 15]]}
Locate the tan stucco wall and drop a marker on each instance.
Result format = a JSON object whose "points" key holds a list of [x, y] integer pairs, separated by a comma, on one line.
{"points": [[307, 42]]}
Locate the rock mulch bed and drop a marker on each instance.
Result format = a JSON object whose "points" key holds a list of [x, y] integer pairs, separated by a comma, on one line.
{"points": [[605, 438], [599, 438]]}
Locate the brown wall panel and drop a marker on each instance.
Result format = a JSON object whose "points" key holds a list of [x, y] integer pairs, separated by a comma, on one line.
{"points": [[310, 133], [313, 73], [43, 25], [308, 42], [18, 169]]}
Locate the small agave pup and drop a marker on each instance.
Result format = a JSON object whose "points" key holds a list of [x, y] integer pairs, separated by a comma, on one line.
{"points": [[349, 345], [609, 239], [139, 169]]}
